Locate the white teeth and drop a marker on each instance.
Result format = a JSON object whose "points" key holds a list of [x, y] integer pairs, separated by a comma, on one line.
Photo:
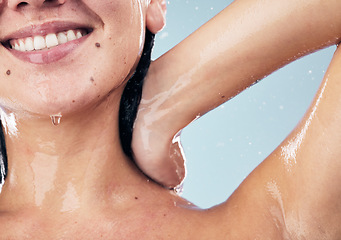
{"points": [[29, 44], [62, 38], [71, 35], [44, 42], [51, 40], [16, 47], [79, 35], [39, 43], [22, 45]]}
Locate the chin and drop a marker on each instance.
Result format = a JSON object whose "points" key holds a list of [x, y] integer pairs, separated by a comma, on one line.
{"points": [[68, 87]]}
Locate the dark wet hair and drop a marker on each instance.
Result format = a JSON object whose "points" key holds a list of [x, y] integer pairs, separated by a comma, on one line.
{"points": [[3, 156], [132, 93], [130, 101]]}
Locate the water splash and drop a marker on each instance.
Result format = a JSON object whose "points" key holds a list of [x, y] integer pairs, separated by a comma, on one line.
{"points": [[178, 190], [278, 209], [177, 154], [56, 119], [71, 200], [290, 150], [9, 122]]}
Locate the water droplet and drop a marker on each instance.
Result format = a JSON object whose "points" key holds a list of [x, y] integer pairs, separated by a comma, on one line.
{"points": [[56, 119], [179, 189]]}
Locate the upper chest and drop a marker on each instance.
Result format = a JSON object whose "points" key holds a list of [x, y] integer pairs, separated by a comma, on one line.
{"points": [[149, 223]]}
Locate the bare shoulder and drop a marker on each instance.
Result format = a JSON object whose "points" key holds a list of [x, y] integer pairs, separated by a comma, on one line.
{"points": [[241, 217], [165, 215]]}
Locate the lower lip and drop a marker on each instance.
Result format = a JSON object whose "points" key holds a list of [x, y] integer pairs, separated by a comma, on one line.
{"points": [[49, 55]]}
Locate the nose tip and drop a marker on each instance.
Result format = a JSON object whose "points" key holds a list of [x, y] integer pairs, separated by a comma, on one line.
{"points": [[17, 4]]}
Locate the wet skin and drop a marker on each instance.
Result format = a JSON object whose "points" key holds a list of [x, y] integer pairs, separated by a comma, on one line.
{"points": [[72, 181], [270, 203]]}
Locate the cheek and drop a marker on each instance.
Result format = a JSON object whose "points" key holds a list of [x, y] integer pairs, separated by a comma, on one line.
{"points": [[118, 10], [124, 21], [123, 40]]}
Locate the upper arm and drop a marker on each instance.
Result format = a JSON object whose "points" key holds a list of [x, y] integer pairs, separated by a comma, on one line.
{"points": [[245, 42], [293, 191]]}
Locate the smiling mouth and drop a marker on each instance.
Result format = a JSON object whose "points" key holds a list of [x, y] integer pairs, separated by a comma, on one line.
{"points": [[45, 42]]}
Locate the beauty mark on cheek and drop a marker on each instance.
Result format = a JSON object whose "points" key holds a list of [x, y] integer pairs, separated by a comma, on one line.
{"points": [[97, 44], [8, 72], [92, 80]]}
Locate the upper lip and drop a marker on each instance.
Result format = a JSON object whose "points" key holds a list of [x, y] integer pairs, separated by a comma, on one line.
{"points": [[44, 29]]}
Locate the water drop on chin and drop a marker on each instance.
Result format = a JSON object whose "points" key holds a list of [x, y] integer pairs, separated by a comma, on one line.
{"points": [[56, 119]]}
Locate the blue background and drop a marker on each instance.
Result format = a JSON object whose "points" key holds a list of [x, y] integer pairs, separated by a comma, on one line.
{"points": [[225, 145]]}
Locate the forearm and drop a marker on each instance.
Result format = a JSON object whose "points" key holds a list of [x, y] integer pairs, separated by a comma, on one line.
{"points": [[244, 43]]}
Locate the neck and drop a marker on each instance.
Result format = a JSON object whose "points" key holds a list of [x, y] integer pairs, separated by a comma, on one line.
{"points": [[66, 166]]}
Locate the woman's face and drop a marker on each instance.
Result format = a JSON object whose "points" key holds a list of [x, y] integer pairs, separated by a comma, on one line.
{"points": [[58, 56]]}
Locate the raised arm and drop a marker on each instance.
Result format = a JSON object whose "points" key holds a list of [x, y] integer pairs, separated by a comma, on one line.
{"points": [[245, 42], [294, 193]]}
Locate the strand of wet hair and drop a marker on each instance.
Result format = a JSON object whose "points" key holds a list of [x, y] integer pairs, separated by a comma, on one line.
{"points": [[3, 157], [131, 96]]}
